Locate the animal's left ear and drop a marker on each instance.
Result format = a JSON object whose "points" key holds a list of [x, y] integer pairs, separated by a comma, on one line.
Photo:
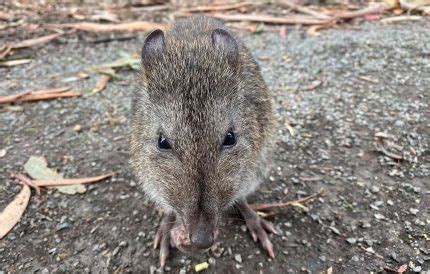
{"points": [[222, 39], [153, 47]]}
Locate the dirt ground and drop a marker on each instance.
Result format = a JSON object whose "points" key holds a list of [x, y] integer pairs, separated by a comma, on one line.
{"points": [[336, 91]]}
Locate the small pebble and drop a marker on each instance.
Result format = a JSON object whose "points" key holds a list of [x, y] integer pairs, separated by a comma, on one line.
{"points": [[379, 216], [389, 202], [351, 240], [238, 258], [335, 230], [413, 211]]}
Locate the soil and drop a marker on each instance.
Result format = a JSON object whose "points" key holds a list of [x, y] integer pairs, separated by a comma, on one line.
{"points": [[336, 91]]}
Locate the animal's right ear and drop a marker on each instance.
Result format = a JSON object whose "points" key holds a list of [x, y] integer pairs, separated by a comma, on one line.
{"points": [[153, 47]]}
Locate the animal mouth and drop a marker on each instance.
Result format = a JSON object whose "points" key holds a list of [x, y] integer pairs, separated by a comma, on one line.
{"points": [[180, 238]]}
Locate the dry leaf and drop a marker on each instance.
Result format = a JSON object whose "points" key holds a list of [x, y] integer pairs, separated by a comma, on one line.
{"points": [[43, 94], [13, 63], [11, 215], [73, 181], [95, 27], [37, 168]]}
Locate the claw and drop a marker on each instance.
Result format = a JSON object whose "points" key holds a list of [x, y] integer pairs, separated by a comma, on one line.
{"points": [[257, 226], [162, 237]]}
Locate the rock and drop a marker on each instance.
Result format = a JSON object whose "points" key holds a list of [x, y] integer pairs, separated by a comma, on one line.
{"points": [[379, 216], [413, 211], [351, 240], [370, 250], [335, 230], [355, 259], [238, 258]]}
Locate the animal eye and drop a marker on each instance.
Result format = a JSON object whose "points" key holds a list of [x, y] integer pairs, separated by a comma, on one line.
{"points": [[229, 140], [163, 143]]}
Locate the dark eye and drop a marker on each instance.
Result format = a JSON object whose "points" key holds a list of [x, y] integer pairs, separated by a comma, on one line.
{"points": [[163, 143], [229, 140]]}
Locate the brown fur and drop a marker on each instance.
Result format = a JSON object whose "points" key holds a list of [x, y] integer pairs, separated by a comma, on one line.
{"points": [[194, 94]]}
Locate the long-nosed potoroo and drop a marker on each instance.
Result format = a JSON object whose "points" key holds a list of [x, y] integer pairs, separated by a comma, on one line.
{"points": [[201, 132]]}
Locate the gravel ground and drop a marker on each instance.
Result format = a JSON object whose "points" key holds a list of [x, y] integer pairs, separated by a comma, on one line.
{"points": [[336, 91]]}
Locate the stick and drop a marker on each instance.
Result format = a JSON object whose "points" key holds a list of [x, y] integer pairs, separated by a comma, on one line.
{"points": [[260, 206], [305, 10], [363, 12], [218, 7], [291, 20]]}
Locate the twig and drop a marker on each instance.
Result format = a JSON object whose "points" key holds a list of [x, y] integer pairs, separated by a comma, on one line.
{"points": [[218, 7], [35, 41], [363, 12], [260, 206], [39, 95], [305, 10], [26, 181], [411, 7], [95, 27], [380, 146], [290, 20]]}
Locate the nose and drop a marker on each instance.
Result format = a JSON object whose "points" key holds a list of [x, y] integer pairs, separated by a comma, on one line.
{"points": [[202, 234]]}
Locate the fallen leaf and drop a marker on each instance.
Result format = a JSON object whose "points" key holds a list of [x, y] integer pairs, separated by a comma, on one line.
{"points": [[37, 168], [35, 41], [73, 181], [43, 94], [11, 215], [13, 63], [95, 27]]}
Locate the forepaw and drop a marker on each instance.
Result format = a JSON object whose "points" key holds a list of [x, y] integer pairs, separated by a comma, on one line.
{"points": [[258, 227]]}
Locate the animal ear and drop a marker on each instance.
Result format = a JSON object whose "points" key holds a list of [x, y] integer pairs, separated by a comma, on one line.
{"points": [[153, 46], [222, 39]]}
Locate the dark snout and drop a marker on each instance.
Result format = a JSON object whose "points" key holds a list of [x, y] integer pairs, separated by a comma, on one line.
{"points": [[202, 231]]}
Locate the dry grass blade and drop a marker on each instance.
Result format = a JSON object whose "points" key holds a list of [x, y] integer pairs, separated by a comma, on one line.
{"points": [[36, 41], [261, 206], [4, 50], [11, 215], [95, 27], [13, 63], [401, 18], [289, 20]]}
